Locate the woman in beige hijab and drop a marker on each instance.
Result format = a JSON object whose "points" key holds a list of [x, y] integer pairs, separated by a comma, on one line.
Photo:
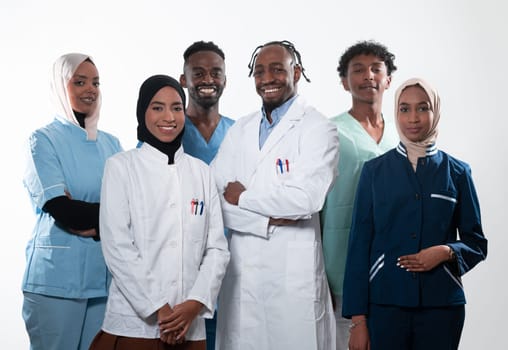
{"points": [[416, 230]]}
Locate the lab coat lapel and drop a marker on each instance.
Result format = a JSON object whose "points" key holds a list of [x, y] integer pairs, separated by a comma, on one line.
{"points": [[288, 121]]}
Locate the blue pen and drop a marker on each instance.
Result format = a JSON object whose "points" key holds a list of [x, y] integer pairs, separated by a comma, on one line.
{"points": [[279, 161], [202, 206]]}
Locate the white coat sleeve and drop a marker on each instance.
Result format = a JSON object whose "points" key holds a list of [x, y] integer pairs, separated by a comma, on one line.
{"points": [[235, 218], [304, 194], [215, 258], [122, 257]]}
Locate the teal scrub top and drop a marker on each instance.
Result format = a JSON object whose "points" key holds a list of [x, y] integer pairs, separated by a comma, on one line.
{"points": [[356, 147], [60, 160], [195, 145]]}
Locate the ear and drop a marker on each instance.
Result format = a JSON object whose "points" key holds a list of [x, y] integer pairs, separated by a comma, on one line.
{"points": [[388, 82], [183, 81], [345, 84], [297, 73]]}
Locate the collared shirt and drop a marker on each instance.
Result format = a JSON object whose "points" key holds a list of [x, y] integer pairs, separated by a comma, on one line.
{"points": [[265, 128]]}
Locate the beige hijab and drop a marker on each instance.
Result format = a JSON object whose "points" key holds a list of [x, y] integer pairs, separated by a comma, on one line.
{"points": [[419, 149], [63, 70]]}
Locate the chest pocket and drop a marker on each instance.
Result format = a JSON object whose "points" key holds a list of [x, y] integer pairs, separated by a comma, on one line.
{"points": [[284, 168], [443, 204]]}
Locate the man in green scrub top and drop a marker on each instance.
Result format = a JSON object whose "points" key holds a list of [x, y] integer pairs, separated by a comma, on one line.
{"points": [[365, 71]]}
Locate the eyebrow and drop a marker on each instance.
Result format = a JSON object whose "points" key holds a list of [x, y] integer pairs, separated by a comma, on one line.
{"points": [[80, 76], [163, 104], [418, 103]]}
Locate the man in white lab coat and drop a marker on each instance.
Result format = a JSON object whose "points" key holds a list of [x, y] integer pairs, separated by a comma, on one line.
{"points": [[274, 169]]}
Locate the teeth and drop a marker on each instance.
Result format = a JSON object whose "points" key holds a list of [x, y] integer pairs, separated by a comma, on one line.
{"points": [[207, 90], [268, 91]]}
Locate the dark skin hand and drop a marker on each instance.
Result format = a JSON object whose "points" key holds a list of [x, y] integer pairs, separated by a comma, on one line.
{"points": [[233, 191], [359, 335], [232, 194], [425, 259], [166, 336], [177, 323]]}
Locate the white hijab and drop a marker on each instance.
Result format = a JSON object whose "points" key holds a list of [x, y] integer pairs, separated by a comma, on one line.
{"points": [[418, 149], [63, 70]]}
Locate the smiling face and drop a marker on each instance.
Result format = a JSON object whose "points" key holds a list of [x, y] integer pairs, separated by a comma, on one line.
{"points": [[366, 78], [204, 77], [414, 114], [83, 88], [165, 117], [275, 76]]}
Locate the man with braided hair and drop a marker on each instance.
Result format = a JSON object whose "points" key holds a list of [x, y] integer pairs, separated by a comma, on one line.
{"points": [[273, 171]]}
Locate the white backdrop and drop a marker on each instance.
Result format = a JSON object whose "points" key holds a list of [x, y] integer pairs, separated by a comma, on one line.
{"points": [[459, 46]]}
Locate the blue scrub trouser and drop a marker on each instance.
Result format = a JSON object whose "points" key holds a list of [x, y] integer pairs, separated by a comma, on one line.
{"points": [[211, 326], [55, 323], [398, 328]]}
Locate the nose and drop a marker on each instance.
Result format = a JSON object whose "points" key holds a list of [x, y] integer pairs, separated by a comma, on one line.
{"points": [[169, 116], [207, 78], [369, 74], [92, 88], [265, 77], [413, 117]]}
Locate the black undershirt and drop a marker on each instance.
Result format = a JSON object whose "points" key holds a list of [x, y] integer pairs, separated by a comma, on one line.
{"points": [[74, 214]]}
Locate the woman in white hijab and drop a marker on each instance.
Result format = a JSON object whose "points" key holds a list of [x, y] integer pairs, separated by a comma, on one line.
{"points": [[416, 230], [66, 280]]}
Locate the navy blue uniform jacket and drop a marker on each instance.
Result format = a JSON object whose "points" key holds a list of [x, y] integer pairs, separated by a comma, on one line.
{"points": [[399, 211]]}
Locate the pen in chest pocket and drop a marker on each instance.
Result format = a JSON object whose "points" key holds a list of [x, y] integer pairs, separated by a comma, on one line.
{"points": [[197, 206], [280, 164]]}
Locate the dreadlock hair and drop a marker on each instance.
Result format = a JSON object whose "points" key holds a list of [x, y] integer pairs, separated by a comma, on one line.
{"points": [[202, 46], [366, 48], [289, 48]]}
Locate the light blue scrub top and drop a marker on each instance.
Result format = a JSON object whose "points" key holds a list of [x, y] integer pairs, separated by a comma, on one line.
{"points": [[356, 147], [62, 159], [195, 145]]}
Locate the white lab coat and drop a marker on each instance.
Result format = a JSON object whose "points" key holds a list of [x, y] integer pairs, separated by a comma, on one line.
{"points": [[162, 237], [275, 294]]}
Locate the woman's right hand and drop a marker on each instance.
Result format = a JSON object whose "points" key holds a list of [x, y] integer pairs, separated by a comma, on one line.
{"points": [[359, 336], [166, 336], [84, 233]]}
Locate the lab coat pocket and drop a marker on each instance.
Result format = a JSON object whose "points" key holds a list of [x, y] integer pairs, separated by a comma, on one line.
{"points": [[284, 168], [196, 233], [300, 269]]}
